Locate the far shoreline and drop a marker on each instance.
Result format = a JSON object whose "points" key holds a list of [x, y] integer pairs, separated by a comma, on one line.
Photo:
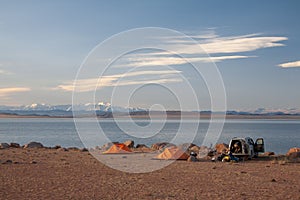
{"points": [[169, 116]]}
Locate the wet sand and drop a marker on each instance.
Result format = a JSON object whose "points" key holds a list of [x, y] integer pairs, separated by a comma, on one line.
{"points": [[56, 174]]}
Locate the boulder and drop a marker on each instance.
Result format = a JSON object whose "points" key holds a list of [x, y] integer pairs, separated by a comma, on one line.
{"points": [[186, 146], [194, 149], [292, 150], [84, 150], [62, 149], [294, 155], [33, 145], [204, 151], [129, 143], [14, 145], [4, 145], [268, 153], [141, 146], [161, 145], [222, 147], [57, 147], [73, 149]]}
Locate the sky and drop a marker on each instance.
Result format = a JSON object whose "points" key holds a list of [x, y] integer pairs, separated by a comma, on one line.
{"points": [[254, 45]]}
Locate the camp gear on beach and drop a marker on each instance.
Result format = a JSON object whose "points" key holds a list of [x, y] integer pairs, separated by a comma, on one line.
{"points": [[193, 154], [118, 148], [226, 159], [172, 153], [233, 158]]}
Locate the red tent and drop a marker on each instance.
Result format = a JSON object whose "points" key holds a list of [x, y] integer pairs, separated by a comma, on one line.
{"points": [[118, 148]]}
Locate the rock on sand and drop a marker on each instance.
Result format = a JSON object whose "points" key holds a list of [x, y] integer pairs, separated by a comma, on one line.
{"points": [[4, 145], [221, 147], [14, 145], [293, 150], [33, 145]]}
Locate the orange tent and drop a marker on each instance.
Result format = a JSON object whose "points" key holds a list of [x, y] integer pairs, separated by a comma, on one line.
{"points": [[173, 153], [118, 148]]}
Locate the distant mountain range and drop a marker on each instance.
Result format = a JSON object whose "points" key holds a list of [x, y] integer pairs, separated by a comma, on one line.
{"points": [[100, 108], [106, 110]]}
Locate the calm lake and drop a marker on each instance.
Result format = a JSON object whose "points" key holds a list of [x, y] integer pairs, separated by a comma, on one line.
{"points": [[279, 135]]}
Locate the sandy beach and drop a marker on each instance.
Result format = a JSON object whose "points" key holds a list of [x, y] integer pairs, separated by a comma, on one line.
{"points": [[55, 174]]}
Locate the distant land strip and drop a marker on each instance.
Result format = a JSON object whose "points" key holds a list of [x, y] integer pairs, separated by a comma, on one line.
{"points": [[160, 115]]}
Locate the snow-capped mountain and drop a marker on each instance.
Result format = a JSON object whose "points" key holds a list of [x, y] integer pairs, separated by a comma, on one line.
{"points": [[101, 106], [267, 111], [37, 107], [105, 109]]}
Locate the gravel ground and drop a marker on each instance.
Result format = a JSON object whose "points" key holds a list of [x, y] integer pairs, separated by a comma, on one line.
{"points": [[55, 174]]}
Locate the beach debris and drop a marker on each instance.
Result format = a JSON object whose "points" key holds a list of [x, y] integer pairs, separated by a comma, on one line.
{"points": [[273, 180], [4, 145], [33, 145], [14, 145], [172, 153], [129, 143]]}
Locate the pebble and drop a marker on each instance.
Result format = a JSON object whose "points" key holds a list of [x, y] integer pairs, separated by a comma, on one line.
{"points": [[7, 162]]}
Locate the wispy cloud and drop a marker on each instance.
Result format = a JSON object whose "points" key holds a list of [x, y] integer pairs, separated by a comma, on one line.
{"points": [[4, 72], [149, 60], [218, 48], [290, 64], [85, 85], [12, 90], [234, 44], [242, 44]]}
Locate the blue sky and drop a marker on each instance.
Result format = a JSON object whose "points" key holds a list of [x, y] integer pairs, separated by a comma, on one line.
{"points": [[43, 43]]}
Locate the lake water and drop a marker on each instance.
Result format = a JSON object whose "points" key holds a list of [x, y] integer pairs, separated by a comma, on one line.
{"points": [[279, 135]]}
